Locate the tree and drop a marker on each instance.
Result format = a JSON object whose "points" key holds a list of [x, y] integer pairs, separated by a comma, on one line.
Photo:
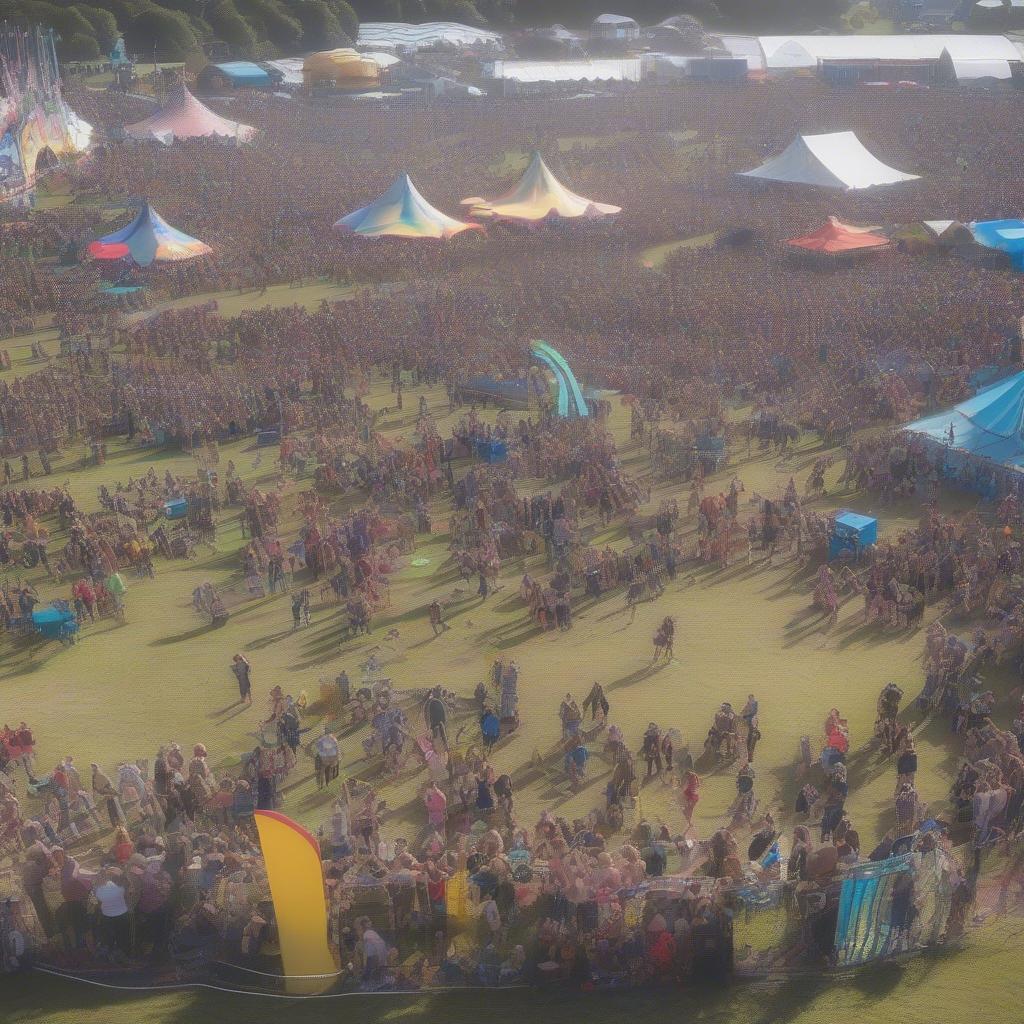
{"points": [[229, 26], [271, 21], [78, 47], [320, 28], [347, 18], [104, 25], [160, 32]]}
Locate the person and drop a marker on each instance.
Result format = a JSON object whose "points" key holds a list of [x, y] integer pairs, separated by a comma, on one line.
{"points": [[436, 715], [651, 749], [570, 716], [437, 623], [753, 735], [436, 804], [597, 702], [490, 729], [102, 787], [373, 948], [328, 752], [242, 670], [690, 795], [115, 923]]}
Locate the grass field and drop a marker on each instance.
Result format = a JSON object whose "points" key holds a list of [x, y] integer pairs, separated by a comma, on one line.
{"points": [[655, 256], [125, 689]]}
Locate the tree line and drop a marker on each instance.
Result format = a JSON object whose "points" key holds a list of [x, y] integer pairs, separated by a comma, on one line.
{"points": [[174, 30]]}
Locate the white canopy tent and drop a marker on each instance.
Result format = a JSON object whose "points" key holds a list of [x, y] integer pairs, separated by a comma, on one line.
{"points": [[836, 160], [790, 52]]}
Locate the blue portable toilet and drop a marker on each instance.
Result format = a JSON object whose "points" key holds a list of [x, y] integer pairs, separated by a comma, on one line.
{"points": [[176, 508], [852, 533]]}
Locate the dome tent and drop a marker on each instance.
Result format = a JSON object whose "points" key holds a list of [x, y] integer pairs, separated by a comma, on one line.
{"points": [[183, 117], [538, 196], [149, 239], [402, 212]]}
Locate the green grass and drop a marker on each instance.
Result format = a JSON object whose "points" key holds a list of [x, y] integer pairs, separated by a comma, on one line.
{"points": [[164, 675], [656, 255], [277, 296]]}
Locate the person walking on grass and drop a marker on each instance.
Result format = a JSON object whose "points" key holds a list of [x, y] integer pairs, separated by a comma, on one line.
{"points": [[242, 669]]}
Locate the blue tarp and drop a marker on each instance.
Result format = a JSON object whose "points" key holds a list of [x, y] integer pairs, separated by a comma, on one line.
{"points": [[243, 73], [989, 425], [1005, 235]]}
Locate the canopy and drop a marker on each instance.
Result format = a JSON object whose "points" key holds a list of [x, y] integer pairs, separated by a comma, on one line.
{"points": [[1005, 235], [149, 238], [836, 160], [538, 196], [991, 424], [806, 51], [837, 237], [343, 67], [391, 35], [403, 213], [184, 117]]}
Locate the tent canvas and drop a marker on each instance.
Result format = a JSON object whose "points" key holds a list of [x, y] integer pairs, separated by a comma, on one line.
{"points": [[402, 212], [539, 195], [835, 238], [1005, 235], [805, 51], [991, 424], [834, 160], [150, 239], [184, 117]]}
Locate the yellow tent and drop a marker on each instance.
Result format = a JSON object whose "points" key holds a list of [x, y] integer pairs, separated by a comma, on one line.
{"points": [[538, 196], [342, 68]]}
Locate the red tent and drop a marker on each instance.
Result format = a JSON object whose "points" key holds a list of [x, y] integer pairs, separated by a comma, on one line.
{"points": [[835, 238]]}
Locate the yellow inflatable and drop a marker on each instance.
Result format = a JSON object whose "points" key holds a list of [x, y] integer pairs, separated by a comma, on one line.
{"points": [[295, 873]]}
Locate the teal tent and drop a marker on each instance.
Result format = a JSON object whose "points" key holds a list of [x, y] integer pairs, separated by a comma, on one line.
{"points": [[990, 425]]}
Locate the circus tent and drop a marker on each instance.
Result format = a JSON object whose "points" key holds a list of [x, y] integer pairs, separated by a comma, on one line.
{"points": [[183, 117], [835, 160], [403, 213], [149, 239], [836, 238], [539, 195]]}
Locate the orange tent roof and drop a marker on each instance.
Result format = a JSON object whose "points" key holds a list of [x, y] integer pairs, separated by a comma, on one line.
{"points": [[837, 237]]}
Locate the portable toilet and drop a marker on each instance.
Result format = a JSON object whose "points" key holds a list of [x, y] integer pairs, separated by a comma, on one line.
{"points": [[852, 533], [176, 508]]}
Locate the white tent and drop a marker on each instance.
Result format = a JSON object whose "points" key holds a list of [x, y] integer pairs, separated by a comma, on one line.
{"points": [[836, 160], [611, 70], [392, 35], [805, 51]]}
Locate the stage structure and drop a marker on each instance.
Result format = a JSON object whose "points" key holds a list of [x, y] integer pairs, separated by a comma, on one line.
{"points": [[37, 128]]}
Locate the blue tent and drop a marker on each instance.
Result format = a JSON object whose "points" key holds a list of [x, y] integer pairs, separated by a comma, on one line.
{"points": [[244, 74], [1005, 235], [989, 425]]}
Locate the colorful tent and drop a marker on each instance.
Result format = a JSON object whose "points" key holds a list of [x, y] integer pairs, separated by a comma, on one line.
{"points": [[184, 117], [538, 196], [836, 238], [989, 425], [150, 239], [1005, 235], [836, 160], [404, 213]]}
